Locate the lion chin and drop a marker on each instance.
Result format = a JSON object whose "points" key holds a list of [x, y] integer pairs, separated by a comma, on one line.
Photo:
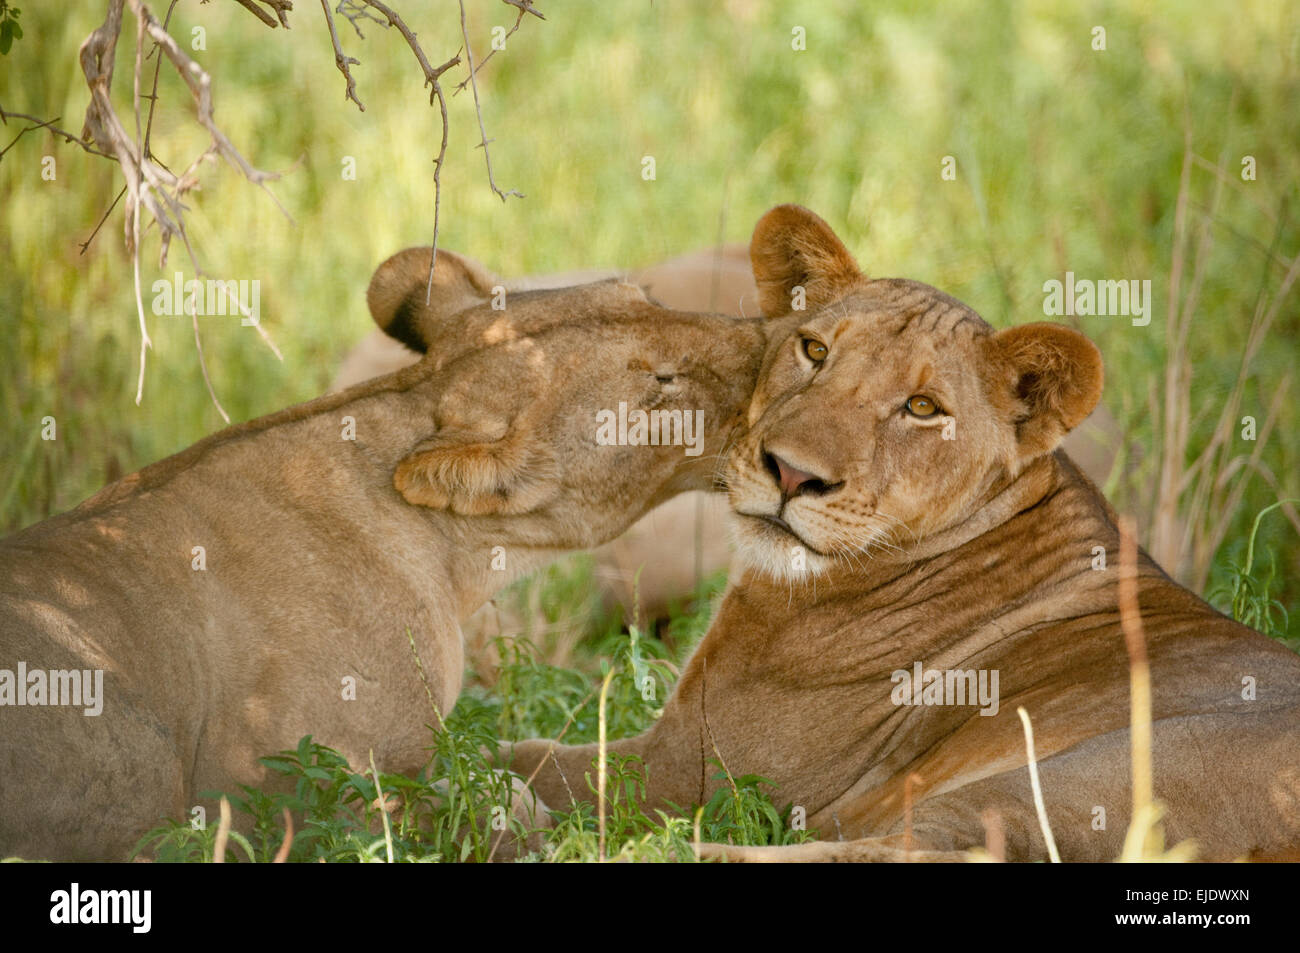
{"points": [[769, 546]]}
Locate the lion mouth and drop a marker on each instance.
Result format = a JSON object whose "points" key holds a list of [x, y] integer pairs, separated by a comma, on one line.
{"points": [[776, 526]]}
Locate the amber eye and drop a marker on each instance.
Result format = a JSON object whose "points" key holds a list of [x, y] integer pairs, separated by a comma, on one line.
{"points": [[919, 406], [815, 350]]}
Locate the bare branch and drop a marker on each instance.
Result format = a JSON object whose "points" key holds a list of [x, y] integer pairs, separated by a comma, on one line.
{"points": [[200, 84], [151, 185], [431, 74], [107, 213], [45, 124], [279, 6], [437, 189], [148, 182], [134, 235], [341, 61], [354, 10], [487, 158], [203, 364], [524, 6], [157, 69], [436, 95]]}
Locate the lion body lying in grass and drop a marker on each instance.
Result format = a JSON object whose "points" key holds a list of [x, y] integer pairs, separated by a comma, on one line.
{"points": [[260, 586], [900, 506]]}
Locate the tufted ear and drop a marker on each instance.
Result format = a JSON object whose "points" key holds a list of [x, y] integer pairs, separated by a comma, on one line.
{"points": [[479, 472], [397, 292], [792, 248], [1055, 378]]}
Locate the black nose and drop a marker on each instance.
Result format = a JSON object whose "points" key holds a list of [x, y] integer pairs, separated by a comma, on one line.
{"points": [[793, 481]]}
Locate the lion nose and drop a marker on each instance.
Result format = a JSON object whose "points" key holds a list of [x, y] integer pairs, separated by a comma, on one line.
{"points": [[794, 481]]}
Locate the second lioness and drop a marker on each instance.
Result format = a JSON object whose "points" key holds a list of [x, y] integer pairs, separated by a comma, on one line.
{"points": [[267, 583], [900, 507]]}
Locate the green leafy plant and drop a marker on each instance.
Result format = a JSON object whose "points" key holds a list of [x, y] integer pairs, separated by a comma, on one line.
{"points": [[741, 812], [1249, 597], [536, 700]]}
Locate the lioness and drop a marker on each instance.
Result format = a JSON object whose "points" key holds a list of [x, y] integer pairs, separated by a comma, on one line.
{"points": [[644, 567], [261, 585], [900, 507]]}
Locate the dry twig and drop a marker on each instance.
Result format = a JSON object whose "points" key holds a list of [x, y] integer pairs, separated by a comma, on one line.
{"points": [[483, 139], [281, 7], [341, 61], [148, 182]]}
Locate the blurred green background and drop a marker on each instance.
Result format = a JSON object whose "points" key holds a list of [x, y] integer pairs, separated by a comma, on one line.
{"points": [[1067, 158]]}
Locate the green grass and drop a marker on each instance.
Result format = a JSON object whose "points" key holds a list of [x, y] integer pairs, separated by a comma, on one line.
{"points": [[459, 808]]}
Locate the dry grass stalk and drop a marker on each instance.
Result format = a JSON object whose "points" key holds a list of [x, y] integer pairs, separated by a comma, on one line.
{"points": [[383, 807], [1039, 806], [282, 855], [1193, 503], [600, 777], [223, 833], [1144, 841]]}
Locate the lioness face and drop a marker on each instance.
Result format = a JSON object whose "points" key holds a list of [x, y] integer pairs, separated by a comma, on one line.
{"points": [[593, 420], [578, 408], [886, 411]]}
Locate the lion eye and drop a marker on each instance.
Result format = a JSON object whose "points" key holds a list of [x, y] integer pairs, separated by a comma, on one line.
{"points": [[815, 350], [920, 406]]}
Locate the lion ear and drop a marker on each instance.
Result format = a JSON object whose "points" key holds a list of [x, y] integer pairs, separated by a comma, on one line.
{"points": [[1055, 376], [479, 472], [398, 291], [792, 248]]}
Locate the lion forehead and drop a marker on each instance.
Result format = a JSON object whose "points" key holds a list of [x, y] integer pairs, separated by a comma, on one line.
{"points": [[895, 307]]}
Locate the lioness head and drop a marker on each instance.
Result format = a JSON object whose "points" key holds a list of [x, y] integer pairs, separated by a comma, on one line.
{"points": [[582, 407], [885, 411]]}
